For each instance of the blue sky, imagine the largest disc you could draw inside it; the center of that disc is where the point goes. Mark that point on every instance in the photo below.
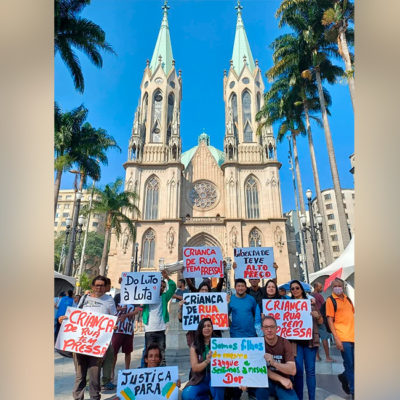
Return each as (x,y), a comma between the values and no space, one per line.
(202,35)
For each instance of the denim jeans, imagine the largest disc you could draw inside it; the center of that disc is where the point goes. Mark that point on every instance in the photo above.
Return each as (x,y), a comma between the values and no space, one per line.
(348,362)
(274,389)
(305,355)
(202,390)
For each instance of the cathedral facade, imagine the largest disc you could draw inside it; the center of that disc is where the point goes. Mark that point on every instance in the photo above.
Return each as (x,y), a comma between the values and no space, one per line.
(204,196)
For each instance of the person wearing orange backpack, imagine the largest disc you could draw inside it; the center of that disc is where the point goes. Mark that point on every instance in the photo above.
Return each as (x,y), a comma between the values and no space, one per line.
(340,316)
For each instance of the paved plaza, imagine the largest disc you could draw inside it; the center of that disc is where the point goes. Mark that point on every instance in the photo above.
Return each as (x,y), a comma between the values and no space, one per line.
(328,386)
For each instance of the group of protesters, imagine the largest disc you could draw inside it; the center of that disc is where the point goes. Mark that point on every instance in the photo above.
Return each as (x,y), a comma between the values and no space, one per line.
(286,359)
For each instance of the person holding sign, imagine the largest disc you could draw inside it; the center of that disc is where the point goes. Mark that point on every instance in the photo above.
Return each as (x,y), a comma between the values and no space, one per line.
(153,358)
(245,312)
(340,315)
(156,316)
(199,386)
(96,301)
(281,365)
(204,287)
(306,350)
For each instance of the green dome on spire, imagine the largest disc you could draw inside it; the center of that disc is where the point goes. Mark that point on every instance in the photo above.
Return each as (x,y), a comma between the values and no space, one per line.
(219,156)
(204,138)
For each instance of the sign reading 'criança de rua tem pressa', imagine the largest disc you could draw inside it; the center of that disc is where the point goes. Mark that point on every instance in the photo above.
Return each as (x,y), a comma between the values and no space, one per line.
(85,332)
(238,362)
(254,263)
(202,262)
(198,306)
(293,317)
(140,287)
(148,383)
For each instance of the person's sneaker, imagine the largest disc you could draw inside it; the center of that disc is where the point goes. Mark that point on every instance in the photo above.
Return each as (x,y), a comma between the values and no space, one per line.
(108,386)
(345,385)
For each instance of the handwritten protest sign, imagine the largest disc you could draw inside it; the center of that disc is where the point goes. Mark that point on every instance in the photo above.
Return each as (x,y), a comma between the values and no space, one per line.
(204,305)
(140,287)
(125,327)
(86,332)
(202,262)
(292,316)
(238,362)
(254,263)
(148,383)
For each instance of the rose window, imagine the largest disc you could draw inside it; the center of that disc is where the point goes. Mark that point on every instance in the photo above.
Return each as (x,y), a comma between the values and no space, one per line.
(203,194)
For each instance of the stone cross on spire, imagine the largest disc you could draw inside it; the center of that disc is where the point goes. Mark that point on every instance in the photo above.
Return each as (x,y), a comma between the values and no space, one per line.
(165,7)
(239,7)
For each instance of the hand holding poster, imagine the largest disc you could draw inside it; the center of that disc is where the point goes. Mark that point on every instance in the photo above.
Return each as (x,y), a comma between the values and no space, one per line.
(148,383)
(254,263)
(85,332)
(204,305)
(202,262)
(238,362)
(140,287)
(292,316)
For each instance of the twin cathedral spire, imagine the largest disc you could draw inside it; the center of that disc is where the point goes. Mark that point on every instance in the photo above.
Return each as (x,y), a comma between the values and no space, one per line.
(156,130)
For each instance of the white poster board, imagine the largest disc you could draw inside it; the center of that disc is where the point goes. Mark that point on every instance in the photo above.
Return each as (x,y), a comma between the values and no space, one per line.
(202,262)
(85,332)
(205,305)
(140,287)
(148,384)
(254,263)
(238,362)
(293,317)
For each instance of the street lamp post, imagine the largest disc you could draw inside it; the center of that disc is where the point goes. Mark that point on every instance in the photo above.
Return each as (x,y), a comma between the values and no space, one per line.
(134,260)
(228,273)
(76,228)
(313,229)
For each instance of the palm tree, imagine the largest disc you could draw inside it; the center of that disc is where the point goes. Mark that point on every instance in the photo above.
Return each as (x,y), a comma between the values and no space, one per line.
(78,143)
(336,19)
(70,30)
(90,148)
(279,106)
(305,18)
(66,126)
(290,58)
(115,204)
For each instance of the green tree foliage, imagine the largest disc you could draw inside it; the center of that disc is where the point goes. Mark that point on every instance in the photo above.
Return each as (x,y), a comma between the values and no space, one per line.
(93,250)
(77,143)
(116,205)
(72,31)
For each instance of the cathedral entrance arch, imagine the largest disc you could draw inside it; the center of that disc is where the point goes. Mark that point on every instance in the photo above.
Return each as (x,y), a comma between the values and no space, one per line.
(203,239)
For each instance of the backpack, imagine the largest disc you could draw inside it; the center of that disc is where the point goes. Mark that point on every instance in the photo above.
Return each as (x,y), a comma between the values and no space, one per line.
(323,311)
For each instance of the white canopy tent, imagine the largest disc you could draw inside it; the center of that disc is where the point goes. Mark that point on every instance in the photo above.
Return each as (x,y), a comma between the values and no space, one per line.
(345,261)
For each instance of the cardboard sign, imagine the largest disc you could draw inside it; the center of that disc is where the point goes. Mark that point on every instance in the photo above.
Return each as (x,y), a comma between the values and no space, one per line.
(140,287)
(86,332)
(205,305)
(125,327)
(238,362)
(202,262)
(293,317)
(148,383)
(254,263)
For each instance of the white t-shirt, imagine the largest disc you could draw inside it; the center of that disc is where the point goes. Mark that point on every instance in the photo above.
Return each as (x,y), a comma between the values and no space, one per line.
(156,322)
(103,305)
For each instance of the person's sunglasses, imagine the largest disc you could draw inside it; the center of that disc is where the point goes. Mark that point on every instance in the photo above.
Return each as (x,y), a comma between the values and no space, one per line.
(295,288)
